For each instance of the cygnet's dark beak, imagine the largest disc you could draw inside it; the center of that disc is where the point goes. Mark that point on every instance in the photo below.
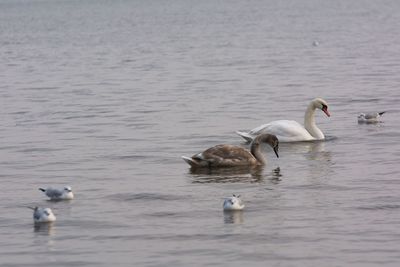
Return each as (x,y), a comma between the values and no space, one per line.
(276,151)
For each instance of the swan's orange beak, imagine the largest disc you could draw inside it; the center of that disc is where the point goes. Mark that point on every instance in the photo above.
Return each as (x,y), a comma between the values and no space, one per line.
(325,109)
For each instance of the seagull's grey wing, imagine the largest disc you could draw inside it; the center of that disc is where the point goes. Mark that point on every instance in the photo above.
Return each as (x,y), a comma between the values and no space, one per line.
(53,193)
(371,116)
(36,214)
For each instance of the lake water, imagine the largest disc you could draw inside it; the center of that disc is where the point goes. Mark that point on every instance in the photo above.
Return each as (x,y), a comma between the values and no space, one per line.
(106,96)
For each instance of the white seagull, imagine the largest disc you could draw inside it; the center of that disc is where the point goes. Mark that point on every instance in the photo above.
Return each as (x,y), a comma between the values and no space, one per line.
(233,203)
(370,117)
(43,215)
(58,194)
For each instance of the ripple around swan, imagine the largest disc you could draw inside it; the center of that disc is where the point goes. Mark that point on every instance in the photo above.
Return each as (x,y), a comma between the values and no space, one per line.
(233,175)
(330,138)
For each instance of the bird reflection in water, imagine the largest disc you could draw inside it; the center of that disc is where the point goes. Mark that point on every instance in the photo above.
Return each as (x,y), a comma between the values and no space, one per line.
(234,175)
(233,217)
(44,228)
(317,152)
(227,175)
(276,175)
(318,161)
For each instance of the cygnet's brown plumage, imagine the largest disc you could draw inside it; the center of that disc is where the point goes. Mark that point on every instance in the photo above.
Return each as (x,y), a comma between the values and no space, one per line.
(233,156)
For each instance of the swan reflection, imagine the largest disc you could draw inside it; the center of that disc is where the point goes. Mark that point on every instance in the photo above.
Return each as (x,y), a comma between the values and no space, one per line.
(276,175)
(303,147)
(234,175)
(318,161)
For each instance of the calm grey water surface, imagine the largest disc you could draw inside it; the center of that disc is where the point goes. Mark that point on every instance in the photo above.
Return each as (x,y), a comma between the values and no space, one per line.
(106,96)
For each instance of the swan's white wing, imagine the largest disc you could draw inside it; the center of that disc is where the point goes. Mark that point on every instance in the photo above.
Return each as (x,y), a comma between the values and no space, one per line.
(285,130)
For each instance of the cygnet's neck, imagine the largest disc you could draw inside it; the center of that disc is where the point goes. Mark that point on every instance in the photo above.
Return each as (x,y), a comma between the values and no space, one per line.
(255,149)
(309,122)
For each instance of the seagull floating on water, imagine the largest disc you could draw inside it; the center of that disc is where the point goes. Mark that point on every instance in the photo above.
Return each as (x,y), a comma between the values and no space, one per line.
(233,203)
(58,194)
(43,215)
(370,117)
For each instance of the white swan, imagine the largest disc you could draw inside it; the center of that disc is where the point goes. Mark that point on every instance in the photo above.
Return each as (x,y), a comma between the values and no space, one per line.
(222,156)
(292,131)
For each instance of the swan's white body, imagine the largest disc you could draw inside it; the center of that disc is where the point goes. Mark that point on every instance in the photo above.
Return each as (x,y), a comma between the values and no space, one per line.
(292,131)
(233,203)
(285,130)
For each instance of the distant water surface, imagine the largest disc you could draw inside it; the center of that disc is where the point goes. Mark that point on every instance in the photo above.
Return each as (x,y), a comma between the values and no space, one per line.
(106,96)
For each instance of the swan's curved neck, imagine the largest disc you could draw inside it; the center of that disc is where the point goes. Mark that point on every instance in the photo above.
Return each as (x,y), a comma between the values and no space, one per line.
(309,122)
(255,149)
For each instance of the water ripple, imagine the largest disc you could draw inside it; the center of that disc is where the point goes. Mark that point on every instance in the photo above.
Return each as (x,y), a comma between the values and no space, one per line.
(380,207)
(145,197)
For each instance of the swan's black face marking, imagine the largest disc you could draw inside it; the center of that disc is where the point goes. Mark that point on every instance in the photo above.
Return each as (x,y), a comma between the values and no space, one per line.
(325,109)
